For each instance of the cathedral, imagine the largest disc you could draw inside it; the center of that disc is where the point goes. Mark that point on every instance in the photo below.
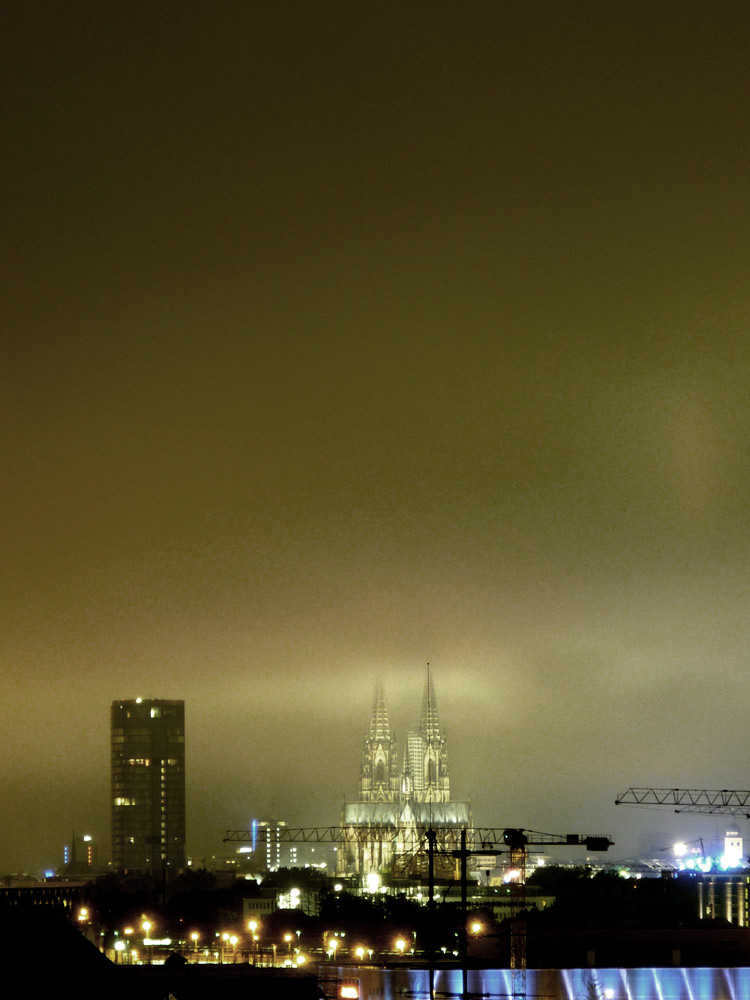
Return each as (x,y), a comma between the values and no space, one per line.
(384,830)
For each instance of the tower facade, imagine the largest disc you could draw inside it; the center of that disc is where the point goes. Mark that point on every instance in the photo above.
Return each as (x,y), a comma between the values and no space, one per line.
(425,759)
(148,785)
(378,776)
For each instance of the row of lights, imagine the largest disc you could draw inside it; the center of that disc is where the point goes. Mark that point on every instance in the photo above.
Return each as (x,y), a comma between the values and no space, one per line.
(230,939)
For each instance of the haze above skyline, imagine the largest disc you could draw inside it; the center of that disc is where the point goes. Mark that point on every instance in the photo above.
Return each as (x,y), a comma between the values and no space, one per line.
(343,337)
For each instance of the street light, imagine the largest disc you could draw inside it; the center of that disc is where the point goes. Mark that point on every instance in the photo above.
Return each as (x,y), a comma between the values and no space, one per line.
(146,926)
(252,926)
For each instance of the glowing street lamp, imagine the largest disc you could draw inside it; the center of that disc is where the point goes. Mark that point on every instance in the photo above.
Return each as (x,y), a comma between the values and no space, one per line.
(146,926)
(252,926)
(400,945)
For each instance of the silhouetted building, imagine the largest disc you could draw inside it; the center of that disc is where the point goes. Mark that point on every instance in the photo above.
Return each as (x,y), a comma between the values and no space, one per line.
(148,785)
(385,829)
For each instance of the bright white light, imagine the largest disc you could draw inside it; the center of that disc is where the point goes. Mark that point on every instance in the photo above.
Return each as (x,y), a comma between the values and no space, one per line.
(733,850)
(373,882)
(679,849)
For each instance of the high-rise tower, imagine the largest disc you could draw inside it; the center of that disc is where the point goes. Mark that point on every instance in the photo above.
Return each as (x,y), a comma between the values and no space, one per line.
(148,785)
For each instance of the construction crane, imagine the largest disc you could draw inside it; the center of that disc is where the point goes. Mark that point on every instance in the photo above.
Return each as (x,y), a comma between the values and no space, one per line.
(479,840)
(727,801)
(518,843)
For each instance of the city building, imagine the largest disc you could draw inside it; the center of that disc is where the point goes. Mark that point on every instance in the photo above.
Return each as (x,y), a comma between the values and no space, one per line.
(385,830)
(269,848)
(148,785)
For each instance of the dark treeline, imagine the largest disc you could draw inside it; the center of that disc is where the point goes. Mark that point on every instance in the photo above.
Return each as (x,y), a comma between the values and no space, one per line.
(198,901)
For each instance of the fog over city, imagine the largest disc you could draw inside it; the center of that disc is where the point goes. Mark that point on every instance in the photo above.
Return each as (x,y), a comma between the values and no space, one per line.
(339,338)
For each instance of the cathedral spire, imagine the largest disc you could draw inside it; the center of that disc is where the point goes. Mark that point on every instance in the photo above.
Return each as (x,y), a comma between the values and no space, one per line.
(380,726)
(430,723)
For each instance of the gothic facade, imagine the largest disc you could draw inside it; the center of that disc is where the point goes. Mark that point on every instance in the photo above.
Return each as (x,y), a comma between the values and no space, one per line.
(385,830)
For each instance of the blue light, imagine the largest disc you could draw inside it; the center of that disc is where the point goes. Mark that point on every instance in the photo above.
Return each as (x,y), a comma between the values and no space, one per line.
(564,984)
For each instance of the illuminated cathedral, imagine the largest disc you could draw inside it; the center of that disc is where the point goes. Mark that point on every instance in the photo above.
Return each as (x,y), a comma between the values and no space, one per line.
(384,831)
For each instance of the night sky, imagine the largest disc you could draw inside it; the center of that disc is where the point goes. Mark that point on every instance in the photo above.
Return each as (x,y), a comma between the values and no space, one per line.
(340,337)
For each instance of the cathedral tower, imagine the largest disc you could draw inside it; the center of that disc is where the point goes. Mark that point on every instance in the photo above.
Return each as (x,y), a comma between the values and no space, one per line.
(378,779)
(426,764)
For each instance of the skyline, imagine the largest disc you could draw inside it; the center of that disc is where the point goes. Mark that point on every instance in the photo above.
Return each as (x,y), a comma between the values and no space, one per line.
(706,827)
(341,338)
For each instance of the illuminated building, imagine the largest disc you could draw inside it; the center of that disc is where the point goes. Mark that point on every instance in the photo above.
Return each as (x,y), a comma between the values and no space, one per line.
(148,785)
(384,830)
(80,856)
(270,834)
